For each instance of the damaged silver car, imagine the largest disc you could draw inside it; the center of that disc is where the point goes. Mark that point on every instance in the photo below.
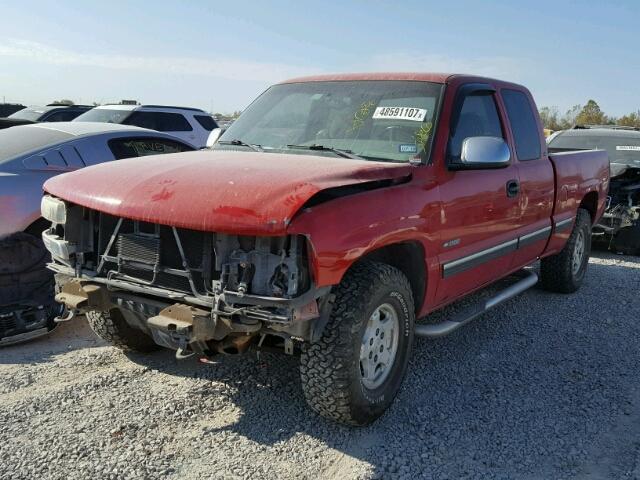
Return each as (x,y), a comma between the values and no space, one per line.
(619,228)
(30,155)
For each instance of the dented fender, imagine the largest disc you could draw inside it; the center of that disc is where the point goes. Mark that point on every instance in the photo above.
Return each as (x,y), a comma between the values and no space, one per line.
(343,230)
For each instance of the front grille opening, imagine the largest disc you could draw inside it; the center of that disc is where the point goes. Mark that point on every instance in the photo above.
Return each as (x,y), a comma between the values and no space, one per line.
(190,261)
(141,251)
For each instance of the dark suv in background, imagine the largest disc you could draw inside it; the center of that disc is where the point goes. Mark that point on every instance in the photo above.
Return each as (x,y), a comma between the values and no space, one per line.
(50,113)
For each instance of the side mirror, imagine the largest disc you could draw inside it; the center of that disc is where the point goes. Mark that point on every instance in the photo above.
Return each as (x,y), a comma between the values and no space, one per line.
(483,152)
(214,136)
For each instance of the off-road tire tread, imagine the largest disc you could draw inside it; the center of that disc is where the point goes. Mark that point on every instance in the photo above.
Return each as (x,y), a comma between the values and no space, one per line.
(555,271)
(324,365)
(119,333)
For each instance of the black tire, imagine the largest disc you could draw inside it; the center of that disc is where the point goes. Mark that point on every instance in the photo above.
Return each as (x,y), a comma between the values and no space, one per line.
(112,327)
(627,240)
(332,379)
(557,273)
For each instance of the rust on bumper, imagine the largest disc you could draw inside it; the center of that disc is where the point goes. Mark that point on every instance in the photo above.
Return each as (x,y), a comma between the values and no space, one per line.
(82,295)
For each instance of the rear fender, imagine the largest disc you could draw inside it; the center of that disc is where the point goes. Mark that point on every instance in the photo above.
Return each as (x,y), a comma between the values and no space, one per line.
(582,179)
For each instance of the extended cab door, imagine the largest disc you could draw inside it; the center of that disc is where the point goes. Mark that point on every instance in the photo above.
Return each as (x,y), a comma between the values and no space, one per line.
(479,205)
(536,191)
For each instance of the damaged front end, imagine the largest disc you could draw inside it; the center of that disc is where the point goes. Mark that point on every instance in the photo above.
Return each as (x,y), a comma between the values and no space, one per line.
(192,291)
(619,227)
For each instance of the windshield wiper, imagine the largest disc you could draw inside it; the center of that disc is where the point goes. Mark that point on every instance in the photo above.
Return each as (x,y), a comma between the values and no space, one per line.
(253,146)
(337,151)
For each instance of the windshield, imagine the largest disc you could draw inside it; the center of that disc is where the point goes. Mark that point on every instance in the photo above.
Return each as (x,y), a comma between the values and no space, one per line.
(103,115)
(32,113)
(377,120)
(620,148)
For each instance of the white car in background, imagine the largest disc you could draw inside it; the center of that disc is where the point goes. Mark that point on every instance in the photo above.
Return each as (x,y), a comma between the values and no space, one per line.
(190,125)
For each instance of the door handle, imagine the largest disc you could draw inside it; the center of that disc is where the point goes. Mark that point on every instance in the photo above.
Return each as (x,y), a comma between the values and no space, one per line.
(513,188)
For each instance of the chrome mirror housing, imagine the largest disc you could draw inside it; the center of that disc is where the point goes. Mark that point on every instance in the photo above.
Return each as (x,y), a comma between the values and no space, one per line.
(484,152)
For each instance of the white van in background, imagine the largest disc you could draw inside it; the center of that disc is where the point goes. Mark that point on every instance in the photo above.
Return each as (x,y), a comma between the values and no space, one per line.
(190,125)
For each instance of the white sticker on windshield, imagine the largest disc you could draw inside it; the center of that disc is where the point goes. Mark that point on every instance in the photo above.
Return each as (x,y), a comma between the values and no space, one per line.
(400,113)
(628,148)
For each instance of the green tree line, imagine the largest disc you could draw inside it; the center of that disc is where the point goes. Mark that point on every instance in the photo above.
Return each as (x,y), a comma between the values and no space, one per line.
(589,114)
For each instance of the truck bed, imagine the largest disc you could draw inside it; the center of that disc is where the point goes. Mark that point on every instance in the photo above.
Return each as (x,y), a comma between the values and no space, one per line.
(580,176)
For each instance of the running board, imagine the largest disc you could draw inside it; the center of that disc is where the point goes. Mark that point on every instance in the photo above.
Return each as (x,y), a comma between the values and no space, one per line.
(445,328)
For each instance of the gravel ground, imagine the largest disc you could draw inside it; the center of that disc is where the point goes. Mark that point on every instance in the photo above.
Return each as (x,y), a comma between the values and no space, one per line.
(543,387)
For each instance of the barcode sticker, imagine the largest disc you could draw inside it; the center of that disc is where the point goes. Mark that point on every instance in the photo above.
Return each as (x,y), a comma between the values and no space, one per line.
(400,113)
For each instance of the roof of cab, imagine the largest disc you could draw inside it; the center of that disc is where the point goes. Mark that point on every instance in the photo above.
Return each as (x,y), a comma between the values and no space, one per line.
(433,77)
(415,76)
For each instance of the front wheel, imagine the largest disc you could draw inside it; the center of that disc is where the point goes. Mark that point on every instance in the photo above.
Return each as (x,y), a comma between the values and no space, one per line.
(565,271)
(353,373)
(112,327)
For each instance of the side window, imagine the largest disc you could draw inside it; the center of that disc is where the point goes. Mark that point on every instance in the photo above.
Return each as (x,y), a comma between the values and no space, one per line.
(478,118)
(62,116)
(142,119)
(523,124)
(173,122)
(141,147)
(160,121)
(207,122)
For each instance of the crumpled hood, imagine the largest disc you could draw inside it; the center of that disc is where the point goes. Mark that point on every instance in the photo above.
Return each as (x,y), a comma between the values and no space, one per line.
(233,192)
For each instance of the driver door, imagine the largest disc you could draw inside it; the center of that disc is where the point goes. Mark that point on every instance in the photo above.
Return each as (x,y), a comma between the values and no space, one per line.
(479,207)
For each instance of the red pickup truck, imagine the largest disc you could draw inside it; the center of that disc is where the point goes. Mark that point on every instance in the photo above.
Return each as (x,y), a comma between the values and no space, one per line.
(334,212)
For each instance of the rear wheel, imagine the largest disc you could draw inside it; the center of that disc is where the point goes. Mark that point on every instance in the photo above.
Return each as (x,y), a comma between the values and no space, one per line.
(353,373)
(565,271)
(112,327)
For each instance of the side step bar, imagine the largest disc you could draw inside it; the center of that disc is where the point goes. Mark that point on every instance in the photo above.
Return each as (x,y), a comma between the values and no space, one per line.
(445,328)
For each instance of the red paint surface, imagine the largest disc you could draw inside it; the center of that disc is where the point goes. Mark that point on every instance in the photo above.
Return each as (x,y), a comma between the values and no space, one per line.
(261,194)
(439,205)
(235,192)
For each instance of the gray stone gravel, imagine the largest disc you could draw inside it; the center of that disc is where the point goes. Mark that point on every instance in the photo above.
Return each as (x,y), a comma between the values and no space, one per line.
(544,387)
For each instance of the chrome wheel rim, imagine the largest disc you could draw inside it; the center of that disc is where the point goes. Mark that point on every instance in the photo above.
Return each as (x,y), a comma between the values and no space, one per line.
(379,346)
(578,253)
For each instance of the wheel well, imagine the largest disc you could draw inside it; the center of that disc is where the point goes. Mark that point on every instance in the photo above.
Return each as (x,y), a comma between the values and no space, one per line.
(590,204)
(37,227)
(409,258)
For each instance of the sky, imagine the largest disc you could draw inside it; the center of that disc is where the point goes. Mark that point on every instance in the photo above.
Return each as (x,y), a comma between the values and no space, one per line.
(220,55)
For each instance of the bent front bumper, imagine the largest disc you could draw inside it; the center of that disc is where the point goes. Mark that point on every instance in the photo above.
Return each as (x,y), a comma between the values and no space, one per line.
(175,319)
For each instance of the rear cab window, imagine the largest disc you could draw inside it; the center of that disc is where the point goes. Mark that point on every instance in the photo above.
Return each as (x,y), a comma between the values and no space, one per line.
(141,147)
(523,124)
